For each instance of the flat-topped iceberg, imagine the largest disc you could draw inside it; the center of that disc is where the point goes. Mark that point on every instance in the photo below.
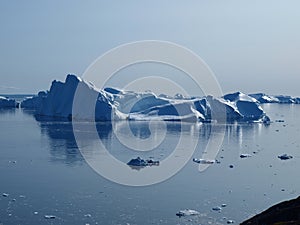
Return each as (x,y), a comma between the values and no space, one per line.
(7,103)
(114,104)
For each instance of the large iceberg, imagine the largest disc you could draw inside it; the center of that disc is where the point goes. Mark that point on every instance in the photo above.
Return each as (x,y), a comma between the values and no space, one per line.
(114,104)
(7,103)
(58,101)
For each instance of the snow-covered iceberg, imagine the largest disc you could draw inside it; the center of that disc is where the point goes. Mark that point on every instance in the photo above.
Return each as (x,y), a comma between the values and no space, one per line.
(112,104)
(7,103)
(281,99)
(58,101)
(247,107)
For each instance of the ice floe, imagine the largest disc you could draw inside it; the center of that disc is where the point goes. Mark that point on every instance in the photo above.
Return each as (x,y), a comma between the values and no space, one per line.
(187,212)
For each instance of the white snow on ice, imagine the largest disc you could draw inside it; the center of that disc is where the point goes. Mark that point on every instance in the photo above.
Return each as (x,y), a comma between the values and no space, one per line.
(114,104)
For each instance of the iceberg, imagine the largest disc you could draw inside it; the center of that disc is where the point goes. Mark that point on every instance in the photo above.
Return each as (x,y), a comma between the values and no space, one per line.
(285,99)
(247,106)
(263,98)
(58,101)
(281,99)
(114,104)
(8,103)
(33,102)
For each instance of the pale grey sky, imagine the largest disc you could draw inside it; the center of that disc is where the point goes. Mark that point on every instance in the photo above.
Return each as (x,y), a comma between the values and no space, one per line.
(250,45)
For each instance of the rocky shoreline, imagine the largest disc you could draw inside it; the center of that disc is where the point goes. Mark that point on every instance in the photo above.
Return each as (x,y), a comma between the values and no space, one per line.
(284,213)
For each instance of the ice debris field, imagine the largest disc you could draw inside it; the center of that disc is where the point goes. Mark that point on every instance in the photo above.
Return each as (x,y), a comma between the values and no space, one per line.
(113,104)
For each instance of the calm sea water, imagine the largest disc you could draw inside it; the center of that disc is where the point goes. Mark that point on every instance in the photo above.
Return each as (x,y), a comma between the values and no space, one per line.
(44,173)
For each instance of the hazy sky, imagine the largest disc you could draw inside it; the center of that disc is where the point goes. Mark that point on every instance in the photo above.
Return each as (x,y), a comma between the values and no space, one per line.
(250,45)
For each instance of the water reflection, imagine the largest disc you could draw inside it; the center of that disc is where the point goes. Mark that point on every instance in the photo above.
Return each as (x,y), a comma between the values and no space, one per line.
(7,111)
(237,132)
(63,147)
(62,144)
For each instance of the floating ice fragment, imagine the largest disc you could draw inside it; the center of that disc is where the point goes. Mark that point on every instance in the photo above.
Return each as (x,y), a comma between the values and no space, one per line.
(5,195)
(87,215)
(187,212)
(223,205)
(49,217)
(139,162)
(285,157)
(245,155)
(230,221)
(217,208)
(204,161)
(35,213)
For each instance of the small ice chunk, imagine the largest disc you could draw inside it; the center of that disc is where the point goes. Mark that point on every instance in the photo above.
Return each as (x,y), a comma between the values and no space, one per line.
(245,155)
(223,205)
(187,212)
(5,195)
(137,162)
(285,157)
(35,213)
(49,217)
(204,161)
(217,208)
(230,221)
(88,215)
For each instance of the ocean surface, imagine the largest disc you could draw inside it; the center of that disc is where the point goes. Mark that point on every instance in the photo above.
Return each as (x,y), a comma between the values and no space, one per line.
(42,172)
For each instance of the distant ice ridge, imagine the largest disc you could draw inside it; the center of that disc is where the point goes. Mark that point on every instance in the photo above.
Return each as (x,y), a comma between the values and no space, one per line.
(7,103)
(114,104)
(282,99)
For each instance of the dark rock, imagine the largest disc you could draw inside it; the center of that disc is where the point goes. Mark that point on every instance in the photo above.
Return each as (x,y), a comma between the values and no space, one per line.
(284,213)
